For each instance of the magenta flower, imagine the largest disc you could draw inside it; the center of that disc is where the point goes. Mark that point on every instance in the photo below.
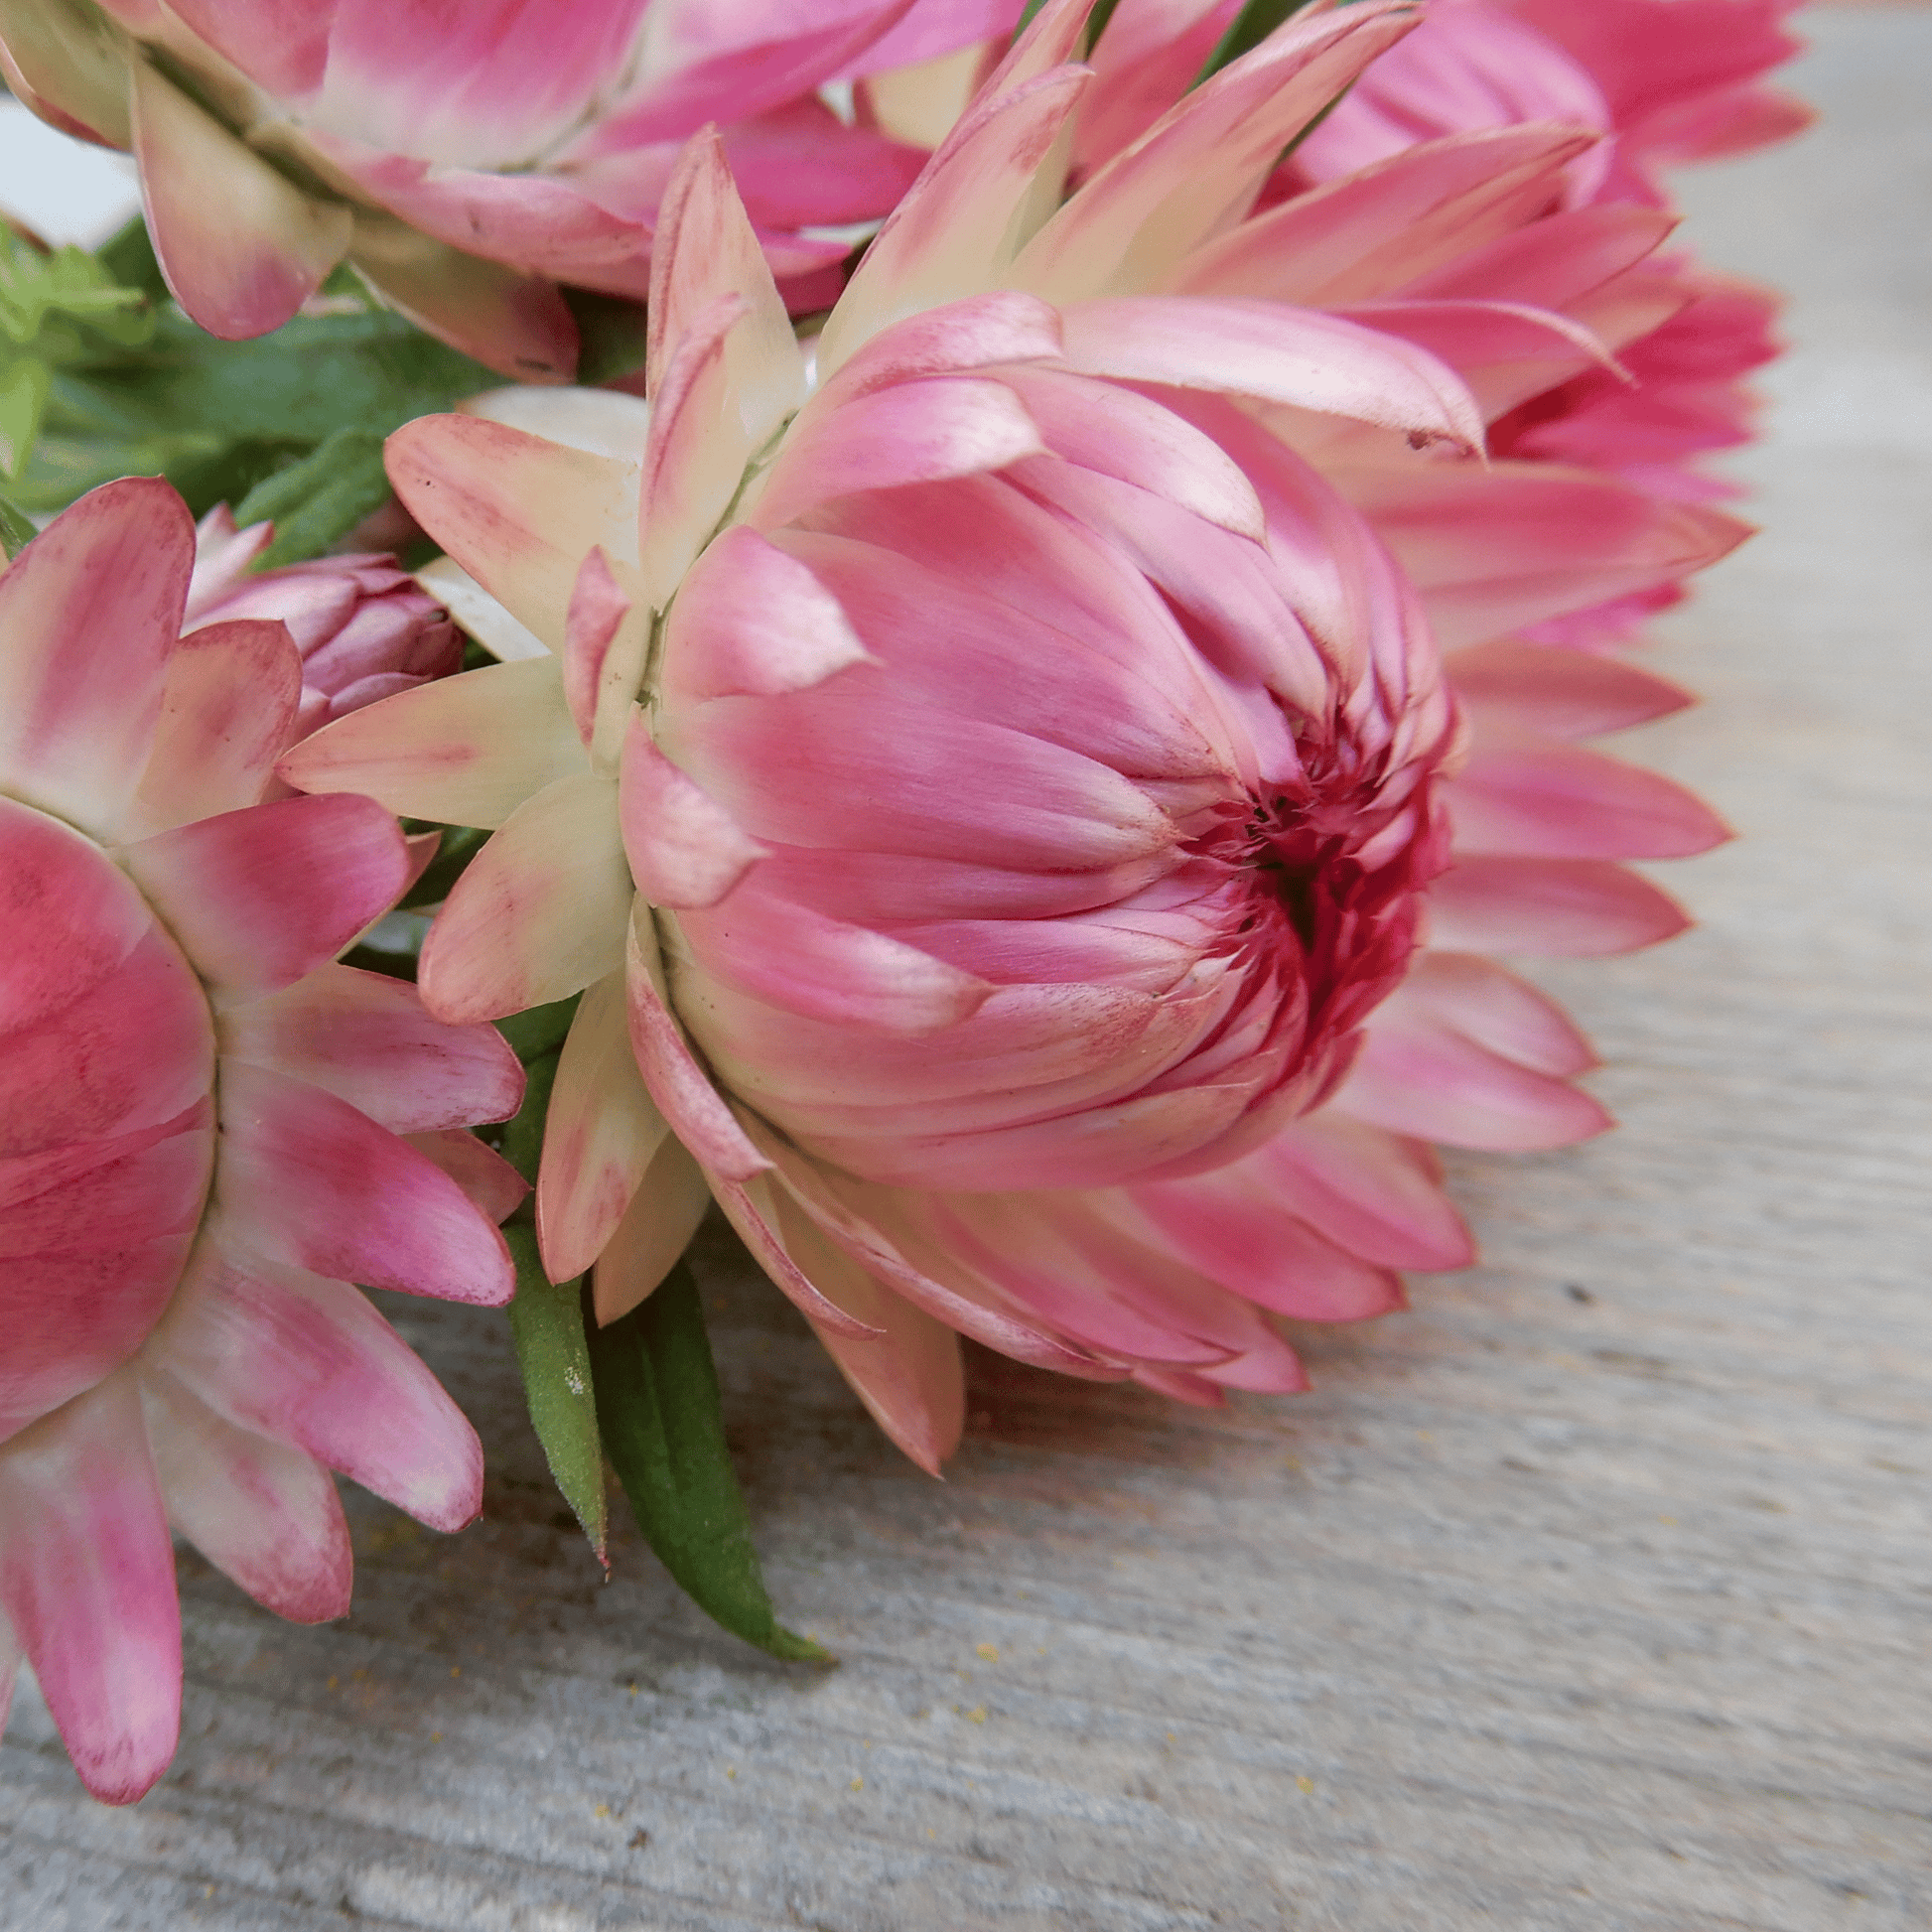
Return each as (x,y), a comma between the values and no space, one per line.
(209,1130)
(363,628)
(990,782)
(467,162)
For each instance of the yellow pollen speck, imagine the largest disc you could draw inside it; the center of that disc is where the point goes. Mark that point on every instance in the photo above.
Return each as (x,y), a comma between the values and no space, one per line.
(603,1811)
(990,1651)
(632,1689)
(930,1833)
(455,1670)
(436,1737)
(977,1715)
(858,1784)
(1304,1784)
(1671,1520)
(332,1682)
(731,1770)
(1171,1738)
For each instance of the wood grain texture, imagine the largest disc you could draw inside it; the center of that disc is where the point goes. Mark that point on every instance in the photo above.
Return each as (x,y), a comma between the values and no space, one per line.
(1590,1595)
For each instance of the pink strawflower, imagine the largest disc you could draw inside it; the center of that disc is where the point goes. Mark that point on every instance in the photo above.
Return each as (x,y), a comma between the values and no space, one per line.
(209,1130)
(467,160)
(991,780)
(363,627)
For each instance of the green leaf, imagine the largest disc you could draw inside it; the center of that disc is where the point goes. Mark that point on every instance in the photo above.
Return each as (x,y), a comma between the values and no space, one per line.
(16,532)
(663,1430)
(24,383)
(317,501)
(547,1324)
(541,1030)
(128,256)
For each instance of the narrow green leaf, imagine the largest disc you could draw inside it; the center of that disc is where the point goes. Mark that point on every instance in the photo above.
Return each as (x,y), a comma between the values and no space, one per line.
(24,383)
(16,532)
(316,503)
(128,256)
(664,1431)
(547,1324)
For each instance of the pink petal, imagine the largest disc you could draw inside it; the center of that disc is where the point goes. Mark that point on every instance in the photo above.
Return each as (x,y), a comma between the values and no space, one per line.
(259,898)
(796,959)
(242,247)
(87,1582)
(1492,550)
(227,709)
(309,1182)
(512,321)
(1467,1054)
(909,1374)
(516,512)
(1198,167)
(671,1201)
(540,911)
(752,1215)
(978,331)
(1556,907)
(685,849)
(1387,226)
(599,1136)
(463,751)
(915,432)
(1559,801)
(598,606)
(1564,693)
(494,1186)
(261,1512)
(309,1362)
(90,613)
(366,1038)
(704,248)
(951,236)
(1554,261)
(751,621)
(280,45)
(1276,354)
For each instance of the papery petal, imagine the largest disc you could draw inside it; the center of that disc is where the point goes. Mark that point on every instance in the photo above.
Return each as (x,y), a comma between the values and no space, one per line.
(685,849)
(599,1135)
(669,1201)
(310,1183)
(1202,162)
(87,1583)
(90,613)
(1558,907)
(494,1186)
(307,1361)
(242,247)
(515,510)
(1565,693)
(540,911)
(1559,801)
(598,608)
(259,898)
(366,1038)
(1278,354)
(909,1375)
(463,751)
(263,1513)
(227,708)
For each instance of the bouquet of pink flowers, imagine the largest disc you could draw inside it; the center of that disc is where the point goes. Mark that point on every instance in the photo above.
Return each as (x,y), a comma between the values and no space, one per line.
(990,734)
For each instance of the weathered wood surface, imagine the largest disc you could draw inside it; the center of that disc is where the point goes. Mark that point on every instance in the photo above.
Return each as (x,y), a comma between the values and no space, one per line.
(1592,1593)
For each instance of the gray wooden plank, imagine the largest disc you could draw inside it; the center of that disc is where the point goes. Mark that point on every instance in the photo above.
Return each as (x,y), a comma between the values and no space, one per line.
(1540,1613)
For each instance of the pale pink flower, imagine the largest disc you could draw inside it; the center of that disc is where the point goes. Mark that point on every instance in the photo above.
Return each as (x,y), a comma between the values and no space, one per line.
(467,160)
(208,1131)
(990,782)
(363,627)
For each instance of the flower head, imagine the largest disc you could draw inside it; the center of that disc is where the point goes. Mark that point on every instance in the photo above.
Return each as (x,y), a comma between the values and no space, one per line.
(363,626)
(989,783)
(466,162)
(203,1141)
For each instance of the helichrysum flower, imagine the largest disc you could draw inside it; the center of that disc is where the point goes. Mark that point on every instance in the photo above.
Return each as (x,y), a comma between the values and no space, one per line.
(363,628)
(208,1131)
(465,160)
(1032,771)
